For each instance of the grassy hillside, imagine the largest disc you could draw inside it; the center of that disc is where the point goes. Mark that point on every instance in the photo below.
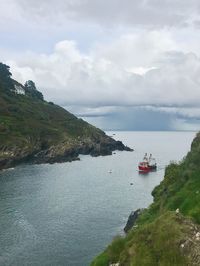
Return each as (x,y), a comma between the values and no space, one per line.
(32,129)
(164,236)
(23,118)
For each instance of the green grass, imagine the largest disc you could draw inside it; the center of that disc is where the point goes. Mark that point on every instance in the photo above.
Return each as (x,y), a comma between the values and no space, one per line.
(155,243)
(27,120)
(112,253)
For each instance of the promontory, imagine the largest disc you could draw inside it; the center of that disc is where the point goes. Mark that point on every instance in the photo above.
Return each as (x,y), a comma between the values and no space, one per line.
(36,131)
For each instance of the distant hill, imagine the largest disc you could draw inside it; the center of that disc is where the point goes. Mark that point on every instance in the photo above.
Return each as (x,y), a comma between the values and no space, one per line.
(33,130)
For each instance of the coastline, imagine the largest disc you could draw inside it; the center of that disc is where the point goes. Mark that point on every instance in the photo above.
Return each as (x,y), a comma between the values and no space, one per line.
(62,152)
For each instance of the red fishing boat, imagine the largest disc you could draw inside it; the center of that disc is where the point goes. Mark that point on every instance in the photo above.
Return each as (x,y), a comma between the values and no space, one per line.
(148,164)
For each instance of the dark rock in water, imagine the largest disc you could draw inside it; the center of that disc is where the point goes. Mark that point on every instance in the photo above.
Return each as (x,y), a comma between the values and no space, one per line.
(120,146)
(132,219)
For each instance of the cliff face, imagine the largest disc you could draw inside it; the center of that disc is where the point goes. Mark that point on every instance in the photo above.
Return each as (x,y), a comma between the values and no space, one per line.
(33,130)
(168,232)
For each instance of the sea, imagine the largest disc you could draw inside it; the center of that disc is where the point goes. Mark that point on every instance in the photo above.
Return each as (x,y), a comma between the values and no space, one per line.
(65,214)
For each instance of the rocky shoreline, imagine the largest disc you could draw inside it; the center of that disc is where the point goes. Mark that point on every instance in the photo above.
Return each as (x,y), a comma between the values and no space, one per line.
(62,152)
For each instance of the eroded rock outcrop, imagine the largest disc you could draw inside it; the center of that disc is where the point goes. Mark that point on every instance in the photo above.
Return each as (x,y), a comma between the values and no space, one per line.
(132,220)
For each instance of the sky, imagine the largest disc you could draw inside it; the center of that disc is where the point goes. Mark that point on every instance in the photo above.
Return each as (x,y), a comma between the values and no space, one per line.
(120,65)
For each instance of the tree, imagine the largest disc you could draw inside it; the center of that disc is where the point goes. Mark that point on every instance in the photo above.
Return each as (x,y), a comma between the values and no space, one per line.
(6,83)
(32,91)
(30,85)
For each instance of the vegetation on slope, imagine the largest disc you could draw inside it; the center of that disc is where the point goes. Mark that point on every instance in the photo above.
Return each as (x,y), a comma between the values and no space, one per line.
(164,235)
(23,118)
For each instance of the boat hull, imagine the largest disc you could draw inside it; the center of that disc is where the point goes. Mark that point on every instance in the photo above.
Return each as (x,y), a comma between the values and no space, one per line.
(147,168)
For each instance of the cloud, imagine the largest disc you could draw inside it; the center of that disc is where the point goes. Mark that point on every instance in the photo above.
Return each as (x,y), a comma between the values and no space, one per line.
(101,86)
(70,77)
(103,59)
(143,119)
(181,112)
(148,13)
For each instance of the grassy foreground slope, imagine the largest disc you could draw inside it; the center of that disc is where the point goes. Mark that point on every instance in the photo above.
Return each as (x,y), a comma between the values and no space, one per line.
(34,130)
(164,236)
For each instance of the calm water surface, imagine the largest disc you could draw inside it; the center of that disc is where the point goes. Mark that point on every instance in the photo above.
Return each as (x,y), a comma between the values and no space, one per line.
(65,214)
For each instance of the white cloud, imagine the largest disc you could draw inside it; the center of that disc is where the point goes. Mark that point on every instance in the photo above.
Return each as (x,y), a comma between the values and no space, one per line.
(140,70)
(139,49)
(68,76)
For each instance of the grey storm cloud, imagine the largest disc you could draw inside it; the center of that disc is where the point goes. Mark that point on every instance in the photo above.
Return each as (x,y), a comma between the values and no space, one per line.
(144,118)
(148,13)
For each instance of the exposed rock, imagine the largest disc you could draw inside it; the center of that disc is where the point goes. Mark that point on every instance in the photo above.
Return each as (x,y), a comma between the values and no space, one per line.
(190,244)
(39,153)
(132,219)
